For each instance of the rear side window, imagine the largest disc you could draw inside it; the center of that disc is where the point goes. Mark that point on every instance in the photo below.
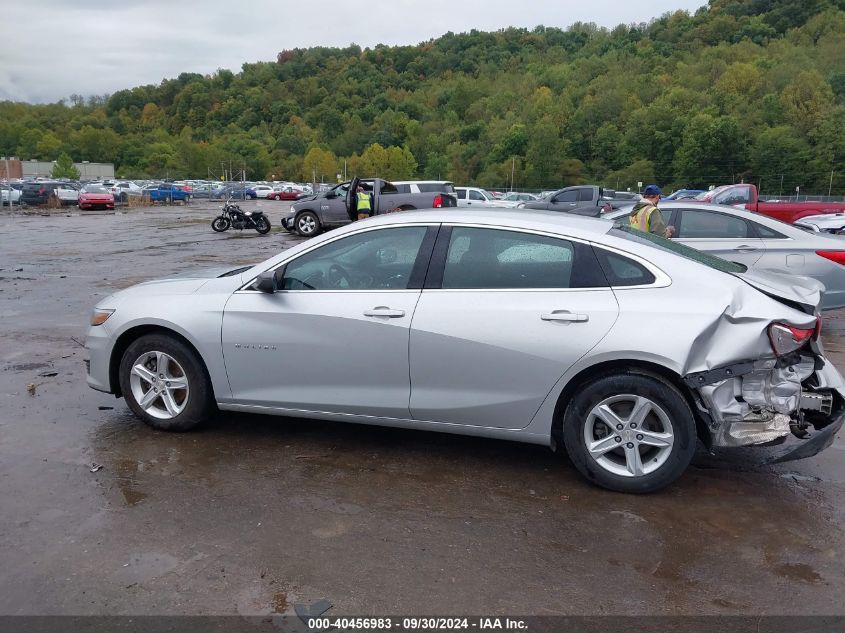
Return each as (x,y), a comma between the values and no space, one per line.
(585,195)
(766,233)
(629,233)
(623,271)
(498,259)
(461,193)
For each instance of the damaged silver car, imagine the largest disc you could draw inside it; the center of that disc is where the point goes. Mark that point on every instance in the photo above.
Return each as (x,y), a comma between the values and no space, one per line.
(620,348)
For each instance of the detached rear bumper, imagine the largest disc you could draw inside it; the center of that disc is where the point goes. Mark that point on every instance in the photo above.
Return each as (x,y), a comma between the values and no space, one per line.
(813,445)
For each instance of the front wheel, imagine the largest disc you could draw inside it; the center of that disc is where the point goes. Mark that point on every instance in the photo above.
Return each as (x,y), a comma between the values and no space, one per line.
(262,225)
(220,224)
(629,432)
(165,383)
(307,224)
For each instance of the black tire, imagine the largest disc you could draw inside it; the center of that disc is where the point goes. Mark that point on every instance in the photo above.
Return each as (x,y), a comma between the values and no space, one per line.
(670,402)
(220,224)
(199,403)
(262,225)
(307,224)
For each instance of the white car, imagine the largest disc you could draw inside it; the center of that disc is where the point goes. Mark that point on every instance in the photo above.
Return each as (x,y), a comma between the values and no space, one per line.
(259,191)
(15,194)
(67,193)
(477,197)
(824,223)
(122,189)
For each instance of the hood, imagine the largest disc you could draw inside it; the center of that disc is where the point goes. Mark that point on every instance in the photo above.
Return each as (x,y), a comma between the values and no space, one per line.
(786,286)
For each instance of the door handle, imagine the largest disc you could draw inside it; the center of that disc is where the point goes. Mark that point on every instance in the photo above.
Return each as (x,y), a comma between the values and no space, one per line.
(745,248)
(384,311)
(565,315)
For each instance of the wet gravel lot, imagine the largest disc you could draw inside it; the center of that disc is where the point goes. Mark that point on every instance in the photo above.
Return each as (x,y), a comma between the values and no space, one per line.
(254,514)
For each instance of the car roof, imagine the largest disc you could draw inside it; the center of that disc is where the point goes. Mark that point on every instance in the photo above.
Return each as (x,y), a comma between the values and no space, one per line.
(533,219)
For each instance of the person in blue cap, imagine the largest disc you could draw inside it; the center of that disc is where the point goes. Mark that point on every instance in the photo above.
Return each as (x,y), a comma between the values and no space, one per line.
(646,217)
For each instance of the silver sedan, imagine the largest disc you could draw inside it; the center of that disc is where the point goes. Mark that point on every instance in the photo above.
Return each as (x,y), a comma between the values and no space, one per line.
(621,349)
(759,242)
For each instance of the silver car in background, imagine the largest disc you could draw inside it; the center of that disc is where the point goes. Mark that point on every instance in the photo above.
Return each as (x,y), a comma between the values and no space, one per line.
(622,348)
(758,242)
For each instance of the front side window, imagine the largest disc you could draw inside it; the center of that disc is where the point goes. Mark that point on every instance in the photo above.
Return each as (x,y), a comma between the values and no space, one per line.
(712,225)
(567,196)
(376,260)
(476,195)
(492,258)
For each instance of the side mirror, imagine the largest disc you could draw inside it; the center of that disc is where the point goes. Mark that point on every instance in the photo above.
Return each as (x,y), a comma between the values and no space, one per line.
(267,282)
(331,194)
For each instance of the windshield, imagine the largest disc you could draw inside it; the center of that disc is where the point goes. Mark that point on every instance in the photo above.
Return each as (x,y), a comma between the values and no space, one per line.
(706,194)
(711,261)
(95,190)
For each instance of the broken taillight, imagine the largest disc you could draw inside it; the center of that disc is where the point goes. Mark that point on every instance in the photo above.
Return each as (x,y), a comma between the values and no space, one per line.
(438,201)
(834,256)
(786,339)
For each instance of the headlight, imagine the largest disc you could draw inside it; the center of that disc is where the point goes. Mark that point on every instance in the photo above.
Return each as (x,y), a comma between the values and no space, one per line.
(100,316)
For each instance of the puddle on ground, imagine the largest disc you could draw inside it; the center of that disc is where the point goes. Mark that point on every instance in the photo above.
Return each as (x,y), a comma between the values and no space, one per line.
(799,571)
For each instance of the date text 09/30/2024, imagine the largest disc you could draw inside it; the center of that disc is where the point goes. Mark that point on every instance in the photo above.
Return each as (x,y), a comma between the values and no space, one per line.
(417,624)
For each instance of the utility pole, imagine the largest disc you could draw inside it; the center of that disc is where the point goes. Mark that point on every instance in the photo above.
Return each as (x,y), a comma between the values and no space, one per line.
(513,169)
(9,183)
(780,192)
(829,187)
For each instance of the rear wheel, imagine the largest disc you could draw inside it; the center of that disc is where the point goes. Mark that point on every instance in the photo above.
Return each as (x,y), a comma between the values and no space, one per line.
(307,224)
(165,384)
(262,225)
(220,223)
(629,432)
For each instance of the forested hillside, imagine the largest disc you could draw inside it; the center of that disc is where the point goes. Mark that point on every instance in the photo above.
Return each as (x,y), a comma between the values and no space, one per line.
(743,89)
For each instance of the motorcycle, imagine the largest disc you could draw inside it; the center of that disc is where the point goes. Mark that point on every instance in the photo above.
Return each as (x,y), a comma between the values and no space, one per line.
(232,216)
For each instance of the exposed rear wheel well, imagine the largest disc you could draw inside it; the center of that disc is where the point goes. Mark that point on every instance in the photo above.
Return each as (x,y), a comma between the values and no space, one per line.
(624,366)
(126,339)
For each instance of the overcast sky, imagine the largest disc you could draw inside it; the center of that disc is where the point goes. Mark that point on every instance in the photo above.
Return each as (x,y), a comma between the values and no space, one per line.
(50,49)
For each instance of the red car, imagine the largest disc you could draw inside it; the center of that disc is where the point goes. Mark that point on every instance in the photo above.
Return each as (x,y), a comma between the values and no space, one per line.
(95,197)
(287,193)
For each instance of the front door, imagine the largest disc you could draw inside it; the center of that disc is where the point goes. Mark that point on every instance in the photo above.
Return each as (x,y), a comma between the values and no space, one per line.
(335,338)
(514,311)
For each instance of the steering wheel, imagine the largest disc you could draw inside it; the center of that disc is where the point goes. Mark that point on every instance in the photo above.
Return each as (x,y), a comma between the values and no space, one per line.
(337,275)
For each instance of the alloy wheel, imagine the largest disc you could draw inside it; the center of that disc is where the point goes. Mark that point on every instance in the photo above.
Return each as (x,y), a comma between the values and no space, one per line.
(159,385)
(628,435)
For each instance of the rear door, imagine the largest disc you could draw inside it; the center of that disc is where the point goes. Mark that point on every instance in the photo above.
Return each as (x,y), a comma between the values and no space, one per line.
(503,315)
(727,236)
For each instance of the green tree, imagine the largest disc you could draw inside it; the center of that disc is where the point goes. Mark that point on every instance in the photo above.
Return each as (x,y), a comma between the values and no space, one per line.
(64,168)
(320,163)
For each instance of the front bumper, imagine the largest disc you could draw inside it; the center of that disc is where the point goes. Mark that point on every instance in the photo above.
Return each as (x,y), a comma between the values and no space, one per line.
(99,345)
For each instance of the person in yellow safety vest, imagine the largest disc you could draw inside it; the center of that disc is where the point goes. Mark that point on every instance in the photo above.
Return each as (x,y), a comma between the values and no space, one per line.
(364,205)
(646,217)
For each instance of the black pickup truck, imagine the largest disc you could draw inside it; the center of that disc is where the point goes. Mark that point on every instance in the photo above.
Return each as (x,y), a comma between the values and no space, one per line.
(587,200)
(336,207)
